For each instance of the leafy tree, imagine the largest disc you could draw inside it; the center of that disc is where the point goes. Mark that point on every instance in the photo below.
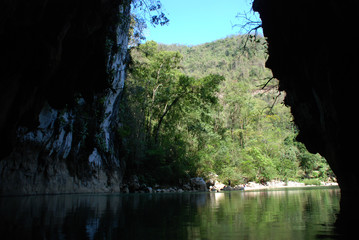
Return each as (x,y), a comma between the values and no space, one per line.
(211,108)
(172,106)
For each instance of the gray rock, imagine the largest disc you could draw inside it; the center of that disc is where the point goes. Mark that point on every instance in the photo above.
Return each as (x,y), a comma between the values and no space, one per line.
(187,187)
(198,184)
(125,189)
(227,188)
(134,184)
(211,179)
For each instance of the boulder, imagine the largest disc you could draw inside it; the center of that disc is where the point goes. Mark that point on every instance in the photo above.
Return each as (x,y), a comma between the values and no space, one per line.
(198,184)
(148,190)
(124,189)
(238,187)
(219,185)
(211,179)
(134,184)
(187,187)
(227,188)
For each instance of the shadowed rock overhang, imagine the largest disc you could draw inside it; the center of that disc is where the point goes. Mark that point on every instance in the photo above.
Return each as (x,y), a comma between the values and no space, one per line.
(314,54)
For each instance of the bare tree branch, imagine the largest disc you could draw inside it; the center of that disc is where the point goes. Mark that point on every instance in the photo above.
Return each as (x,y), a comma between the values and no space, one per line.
(268,81)
(275,100)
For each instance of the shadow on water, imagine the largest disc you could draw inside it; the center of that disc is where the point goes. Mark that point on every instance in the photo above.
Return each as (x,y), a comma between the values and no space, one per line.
(282,214)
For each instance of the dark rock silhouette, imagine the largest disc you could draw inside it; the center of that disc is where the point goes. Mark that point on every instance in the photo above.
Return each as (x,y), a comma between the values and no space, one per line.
(62,72)
(312,53)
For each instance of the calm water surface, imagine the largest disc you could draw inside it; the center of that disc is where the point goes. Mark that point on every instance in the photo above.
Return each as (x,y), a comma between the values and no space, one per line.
(278,214)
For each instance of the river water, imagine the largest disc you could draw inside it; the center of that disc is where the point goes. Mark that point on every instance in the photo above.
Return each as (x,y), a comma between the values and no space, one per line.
(277,214)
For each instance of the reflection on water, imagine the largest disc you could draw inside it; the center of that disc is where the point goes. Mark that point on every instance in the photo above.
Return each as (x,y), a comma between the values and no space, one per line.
(283,214)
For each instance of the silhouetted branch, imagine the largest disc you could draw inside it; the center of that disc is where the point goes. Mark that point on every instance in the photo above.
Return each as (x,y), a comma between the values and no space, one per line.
(275,100)
(251,23)
(152,11)
(251,26)
(264,85)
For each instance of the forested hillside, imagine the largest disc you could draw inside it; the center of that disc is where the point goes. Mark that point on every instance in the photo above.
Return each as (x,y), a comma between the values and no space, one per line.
(210,109)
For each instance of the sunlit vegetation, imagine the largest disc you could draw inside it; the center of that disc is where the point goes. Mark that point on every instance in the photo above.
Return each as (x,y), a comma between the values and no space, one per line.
(210,109)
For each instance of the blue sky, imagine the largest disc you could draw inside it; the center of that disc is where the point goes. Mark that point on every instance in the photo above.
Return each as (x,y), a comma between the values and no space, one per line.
(194,22)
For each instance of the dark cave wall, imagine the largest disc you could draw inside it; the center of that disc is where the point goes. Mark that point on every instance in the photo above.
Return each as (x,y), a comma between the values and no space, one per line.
(61,76)
(313,53)
(50,51)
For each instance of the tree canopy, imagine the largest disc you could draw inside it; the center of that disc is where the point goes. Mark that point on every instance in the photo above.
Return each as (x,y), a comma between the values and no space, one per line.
(210,109)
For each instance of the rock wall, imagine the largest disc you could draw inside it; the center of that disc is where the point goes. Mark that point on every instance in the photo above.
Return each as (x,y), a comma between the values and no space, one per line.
(62,73)
(313,54)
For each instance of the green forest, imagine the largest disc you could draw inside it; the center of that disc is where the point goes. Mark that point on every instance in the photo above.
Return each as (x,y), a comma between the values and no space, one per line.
(210,109)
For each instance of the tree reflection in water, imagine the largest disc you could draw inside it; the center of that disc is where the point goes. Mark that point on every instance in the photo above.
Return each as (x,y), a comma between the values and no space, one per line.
(283,214)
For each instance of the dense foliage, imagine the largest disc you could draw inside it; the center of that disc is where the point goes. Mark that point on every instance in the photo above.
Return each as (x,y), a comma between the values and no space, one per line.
(210,109)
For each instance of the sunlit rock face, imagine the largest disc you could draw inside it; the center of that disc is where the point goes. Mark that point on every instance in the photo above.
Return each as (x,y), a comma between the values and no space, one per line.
(62,74)
(313,54)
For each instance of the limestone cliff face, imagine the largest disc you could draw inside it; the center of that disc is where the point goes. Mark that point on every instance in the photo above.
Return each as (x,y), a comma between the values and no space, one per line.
(312,53)
(62,77)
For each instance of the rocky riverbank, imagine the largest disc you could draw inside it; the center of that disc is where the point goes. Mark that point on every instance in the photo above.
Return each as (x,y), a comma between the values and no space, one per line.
(198,184)
(133,185)
(218,186)
(281,184)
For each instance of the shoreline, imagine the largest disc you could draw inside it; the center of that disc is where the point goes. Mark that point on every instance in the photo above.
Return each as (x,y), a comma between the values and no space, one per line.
(195,185)
(165,190)
(250,188)
(285,187)
(253,186)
